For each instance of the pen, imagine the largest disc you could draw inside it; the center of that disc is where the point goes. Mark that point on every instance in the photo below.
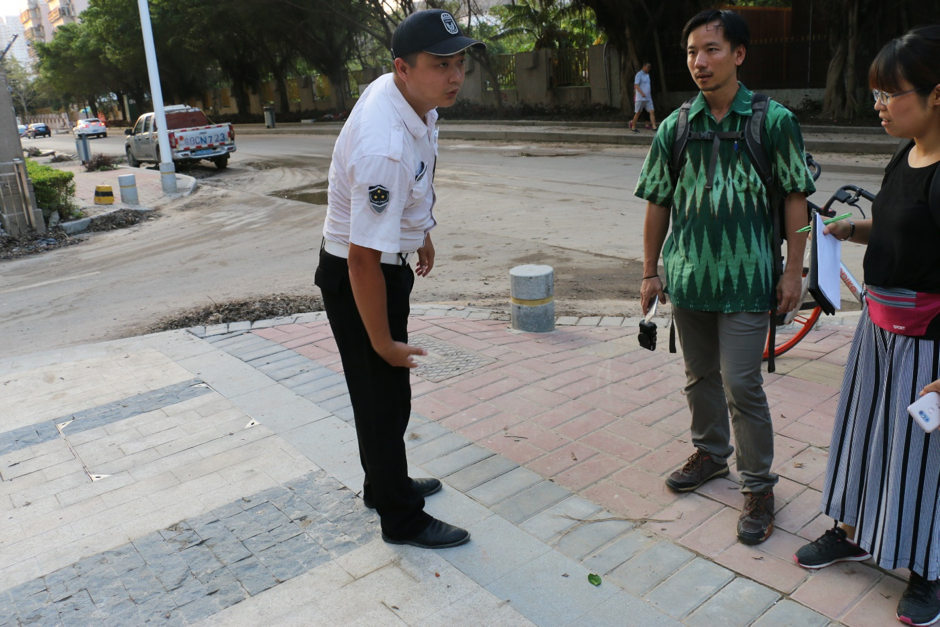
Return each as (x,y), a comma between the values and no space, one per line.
(829,221)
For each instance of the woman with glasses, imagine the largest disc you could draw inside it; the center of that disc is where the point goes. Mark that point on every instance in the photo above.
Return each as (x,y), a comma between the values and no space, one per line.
(883,475)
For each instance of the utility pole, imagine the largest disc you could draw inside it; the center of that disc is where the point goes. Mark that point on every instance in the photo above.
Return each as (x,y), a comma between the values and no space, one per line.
(167,170)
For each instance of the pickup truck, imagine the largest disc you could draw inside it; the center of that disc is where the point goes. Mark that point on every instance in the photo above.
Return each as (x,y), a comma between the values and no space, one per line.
(192,138)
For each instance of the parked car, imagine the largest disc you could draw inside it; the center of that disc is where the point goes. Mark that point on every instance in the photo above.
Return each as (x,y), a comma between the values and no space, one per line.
(38,129)
(192,138)
(92,127)
(21,128)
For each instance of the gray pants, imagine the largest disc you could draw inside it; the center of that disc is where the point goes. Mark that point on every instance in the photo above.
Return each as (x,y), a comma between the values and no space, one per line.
(723,353)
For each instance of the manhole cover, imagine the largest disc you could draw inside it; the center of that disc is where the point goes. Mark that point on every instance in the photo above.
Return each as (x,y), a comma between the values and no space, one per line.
(444,360)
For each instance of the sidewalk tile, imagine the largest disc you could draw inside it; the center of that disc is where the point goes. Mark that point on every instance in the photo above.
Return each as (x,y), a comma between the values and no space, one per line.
(736,605)
(504,486)
(620,500)
(470,416)
(457,460)
(564,515)
(477,608)
(691,586)
(685,514)
(480,472)
(588,472)
(782,575)
(616,610)
(621,448)
(666,458)
(786,613)
(656,411)
(805,467)
(725,491)
(497,547)
(531,432)
(562,414)
(562,459)
(646,484)
(799,512)
(878,607)
(585,424)
(639,433)
(436,448)
(500,423)
(531,501)
(648,569)
(518,451)
(852,580)
(551,590)
(715,535)
(586,538)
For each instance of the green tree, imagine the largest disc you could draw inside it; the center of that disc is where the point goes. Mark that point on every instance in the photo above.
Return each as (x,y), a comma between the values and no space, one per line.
(25,88)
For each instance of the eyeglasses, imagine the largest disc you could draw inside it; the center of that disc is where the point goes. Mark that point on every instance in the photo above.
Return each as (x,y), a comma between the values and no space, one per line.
(884,97)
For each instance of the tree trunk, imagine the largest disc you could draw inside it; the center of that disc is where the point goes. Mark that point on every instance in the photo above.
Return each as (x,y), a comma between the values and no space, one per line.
(338,83)
(851,78)
(242,99)
(834,97)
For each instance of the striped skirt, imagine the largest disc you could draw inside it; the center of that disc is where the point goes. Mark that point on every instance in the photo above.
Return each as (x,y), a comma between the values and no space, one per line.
(883,474)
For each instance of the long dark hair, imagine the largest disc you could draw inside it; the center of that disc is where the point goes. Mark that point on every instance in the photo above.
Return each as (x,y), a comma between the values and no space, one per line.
(914,57)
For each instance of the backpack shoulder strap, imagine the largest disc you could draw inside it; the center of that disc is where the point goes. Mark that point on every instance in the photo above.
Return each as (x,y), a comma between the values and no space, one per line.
(682,138)
(753,142)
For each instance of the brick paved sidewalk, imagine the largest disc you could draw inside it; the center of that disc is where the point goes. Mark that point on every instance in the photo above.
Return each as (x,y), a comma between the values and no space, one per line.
(182,480)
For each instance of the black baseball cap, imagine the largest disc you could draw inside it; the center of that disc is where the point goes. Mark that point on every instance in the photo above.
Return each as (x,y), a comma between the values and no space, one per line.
(434,31)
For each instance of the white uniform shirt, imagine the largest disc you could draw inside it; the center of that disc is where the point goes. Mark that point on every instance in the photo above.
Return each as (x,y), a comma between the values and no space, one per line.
(381,195)
(642,79)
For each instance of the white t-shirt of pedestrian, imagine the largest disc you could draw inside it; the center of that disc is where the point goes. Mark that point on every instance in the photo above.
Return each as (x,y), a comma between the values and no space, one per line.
(381,194)
(643,80)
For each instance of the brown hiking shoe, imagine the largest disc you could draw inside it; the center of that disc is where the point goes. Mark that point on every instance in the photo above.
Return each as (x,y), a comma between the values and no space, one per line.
(699,469)
(756,522)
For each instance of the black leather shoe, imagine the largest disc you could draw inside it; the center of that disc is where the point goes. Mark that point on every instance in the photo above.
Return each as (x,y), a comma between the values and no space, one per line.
(424,487)
(438,535)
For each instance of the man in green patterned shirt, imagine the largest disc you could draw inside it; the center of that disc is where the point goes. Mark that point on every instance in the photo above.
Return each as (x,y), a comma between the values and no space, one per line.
(718,261)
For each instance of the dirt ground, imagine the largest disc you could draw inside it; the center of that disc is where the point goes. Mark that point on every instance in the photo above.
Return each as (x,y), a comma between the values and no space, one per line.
(253,231)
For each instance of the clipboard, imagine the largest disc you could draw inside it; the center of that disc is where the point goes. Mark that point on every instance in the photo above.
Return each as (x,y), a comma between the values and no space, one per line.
(824,268)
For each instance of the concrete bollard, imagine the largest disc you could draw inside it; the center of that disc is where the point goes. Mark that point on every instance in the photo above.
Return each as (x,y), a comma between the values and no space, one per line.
(532,290)
(168,177)
(128,185)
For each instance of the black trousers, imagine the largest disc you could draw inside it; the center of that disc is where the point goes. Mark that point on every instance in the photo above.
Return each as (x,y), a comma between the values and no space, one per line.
(380,393)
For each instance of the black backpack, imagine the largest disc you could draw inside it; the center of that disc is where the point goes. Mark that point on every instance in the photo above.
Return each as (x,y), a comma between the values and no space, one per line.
(750,136)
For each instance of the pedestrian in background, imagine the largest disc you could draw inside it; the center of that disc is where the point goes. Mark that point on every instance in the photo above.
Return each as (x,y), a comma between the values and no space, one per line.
(718,261)
(643,96)
(883,474)
(379,216)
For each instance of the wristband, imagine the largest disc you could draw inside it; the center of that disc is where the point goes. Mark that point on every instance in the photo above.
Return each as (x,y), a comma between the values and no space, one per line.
(852,232)
(652,276)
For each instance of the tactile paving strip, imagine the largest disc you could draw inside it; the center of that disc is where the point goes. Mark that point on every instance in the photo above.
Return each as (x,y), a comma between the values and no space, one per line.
(445,360)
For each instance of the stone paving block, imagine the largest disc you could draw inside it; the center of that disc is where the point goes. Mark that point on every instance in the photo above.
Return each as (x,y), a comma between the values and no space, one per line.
(252,575)
(559,517)
(480,472)
(736,605)
(531,501)
(646,570)
(585,538)
(336,403)
(551,590)
(497,547)
(787,613)
(622,609)
(690,587)
(457,460)
(504,486)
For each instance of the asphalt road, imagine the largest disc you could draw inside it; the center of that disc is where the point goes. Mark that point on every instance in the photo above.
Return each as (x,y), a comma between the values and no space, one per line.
(246,233)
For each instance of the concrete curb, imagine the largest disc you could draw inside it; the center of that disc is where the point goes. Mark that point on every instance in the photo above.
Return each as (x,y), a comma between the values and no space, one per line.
(74,227)
(614,136)
(841,318)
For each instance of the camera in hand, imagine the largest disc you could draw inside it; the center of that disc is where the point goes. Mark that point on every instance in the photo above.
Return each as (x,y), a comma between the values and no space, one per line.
(647,335)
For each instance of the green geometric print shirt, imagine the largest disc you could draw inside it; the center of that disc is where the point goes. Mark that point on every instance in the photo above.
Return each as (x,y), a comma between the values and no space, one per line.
(718,253)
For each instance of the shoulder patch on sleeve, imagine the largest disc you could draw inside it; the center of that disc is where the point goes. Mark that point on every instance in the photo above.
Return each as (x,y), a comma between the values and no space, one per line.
(378,198)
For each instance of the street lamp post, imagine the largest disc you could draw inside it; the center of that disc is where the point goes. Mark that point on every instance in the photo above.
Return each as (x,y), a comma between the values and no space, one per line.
(167,171)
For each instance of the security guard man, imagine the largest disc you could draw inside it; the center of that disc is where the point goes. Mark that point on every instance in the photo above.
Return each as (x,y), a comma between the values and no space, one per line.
(380,213)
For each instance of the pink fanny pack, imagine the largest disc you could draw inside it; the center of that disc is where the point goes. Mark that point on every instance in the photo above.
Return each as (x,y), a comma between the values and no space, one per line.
(902,311)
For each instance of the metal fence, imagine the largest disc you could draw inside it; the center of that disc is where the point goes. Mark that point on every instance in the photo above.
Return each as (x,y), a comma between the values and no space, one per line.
(570,68)
(504,65)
